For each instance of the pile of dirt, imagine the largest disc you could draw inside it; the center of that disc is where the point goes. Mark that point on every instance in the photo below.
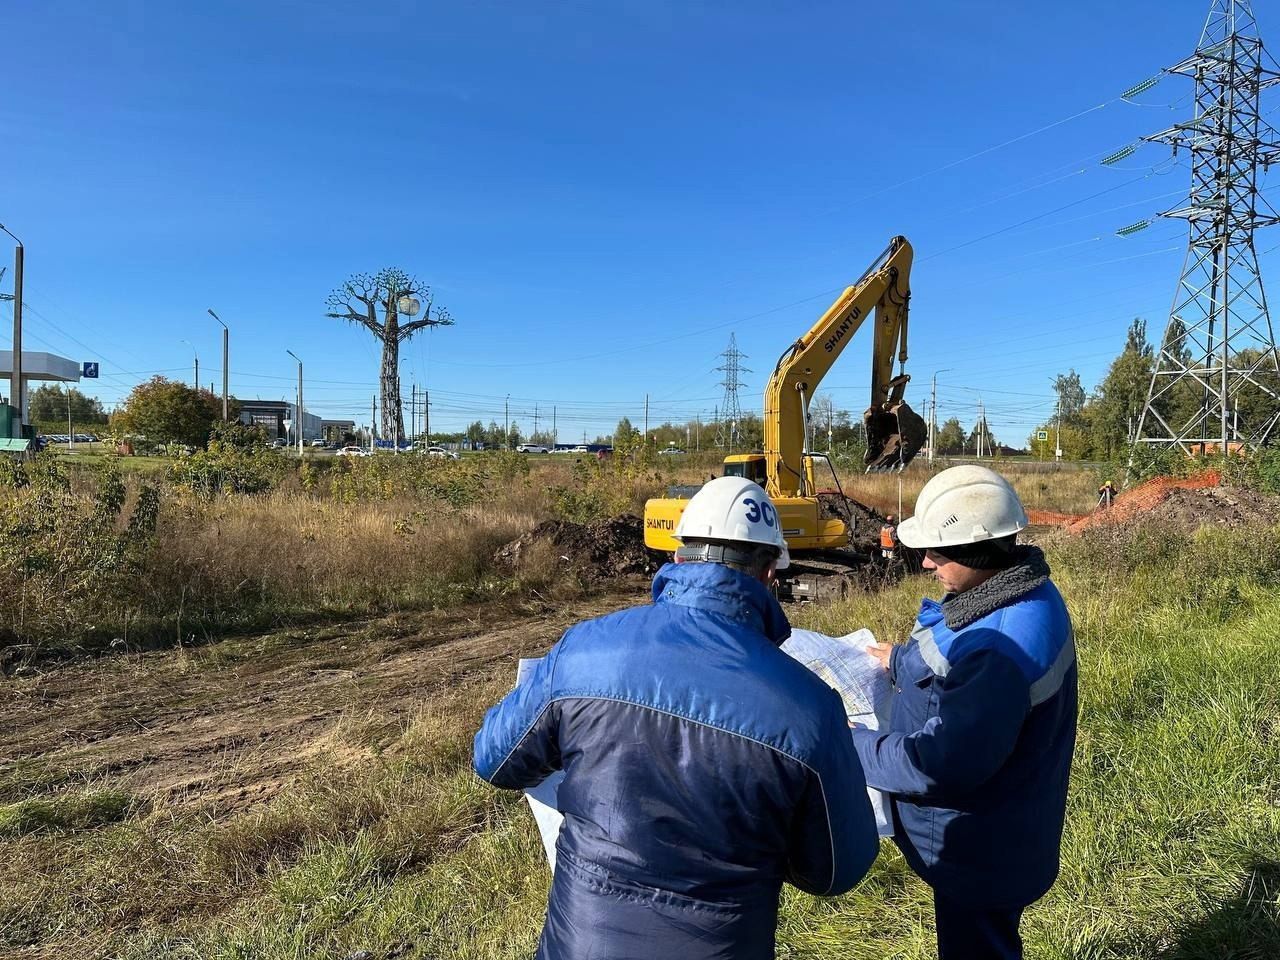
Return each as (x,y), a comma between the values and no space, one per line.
(1215,506)
(1145,498)
(863,522)
(601,550)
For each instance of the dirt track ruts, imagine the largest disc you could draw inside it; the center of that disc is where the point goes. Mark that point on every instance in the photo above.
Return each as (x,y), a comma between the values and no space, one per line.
(229,724)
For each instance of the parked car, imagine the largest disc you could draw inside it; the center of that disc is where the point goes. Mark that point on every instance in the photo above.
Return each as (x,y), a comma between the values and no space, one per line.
(317,442)
(279,443)
(351,450)
(670,450)
(443,452)
(531,448)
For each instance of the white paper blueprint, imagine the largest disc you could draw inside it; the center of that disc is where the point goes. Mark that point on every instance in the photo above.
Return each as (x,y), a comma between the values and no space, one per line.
(542,798)
(844,664)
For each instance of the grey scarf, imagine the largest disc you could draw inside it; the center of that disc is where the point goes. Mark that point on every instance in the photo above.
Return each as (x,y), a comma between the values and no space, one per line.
(1028,572)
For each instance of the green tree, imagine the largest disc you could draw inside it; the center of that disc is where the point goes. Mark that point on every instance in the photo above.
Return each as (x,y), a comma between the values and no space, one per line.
(168,411)
(1071,395)
(951,436)
(624,429)
(476,432)
(1117,402)
(1256,397)
(48,404)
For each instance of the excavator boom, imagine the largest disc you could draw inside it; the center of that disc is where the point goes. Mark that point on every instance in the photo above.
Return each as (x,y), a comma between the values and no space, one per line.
(895,433)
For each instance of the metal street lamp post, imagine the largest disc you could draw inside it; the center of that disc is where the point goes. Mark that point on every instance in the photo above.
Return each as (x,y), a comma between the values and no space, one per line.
(297,413)
(226,335)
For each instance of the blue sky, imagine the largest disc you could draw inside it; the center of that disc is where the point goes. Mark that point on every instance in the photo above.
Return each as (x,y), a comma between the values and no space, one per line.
(599,192)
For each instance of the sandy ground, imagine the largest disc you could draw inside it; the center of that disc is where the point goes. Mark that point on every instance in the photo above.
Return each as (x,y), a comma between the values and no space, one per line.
(229,724)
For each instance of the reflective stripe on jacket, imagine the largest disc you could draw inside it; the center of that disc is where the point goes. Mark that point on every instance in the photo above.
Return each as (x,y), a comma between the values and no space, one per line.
(979,748)
(703,767)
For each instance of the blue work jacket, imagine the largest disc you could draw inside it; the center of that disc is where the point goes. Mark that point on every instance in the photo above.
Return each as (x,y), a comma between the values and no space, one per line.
(978,751)
(703,768)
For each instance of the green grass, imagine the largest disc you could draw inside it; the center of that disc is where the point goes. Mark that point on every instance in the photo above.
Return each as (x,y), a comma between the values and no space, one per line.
(1172,847)
(72,811)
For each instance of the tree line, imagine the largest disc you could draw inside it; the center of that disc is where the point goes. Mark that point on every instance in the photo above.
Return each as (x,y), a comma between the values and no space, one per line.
(1100,425)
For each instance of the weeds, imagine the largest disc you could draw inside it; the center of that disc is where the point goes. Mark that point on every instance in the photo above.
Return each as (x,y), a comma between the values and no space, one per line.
(1172,841)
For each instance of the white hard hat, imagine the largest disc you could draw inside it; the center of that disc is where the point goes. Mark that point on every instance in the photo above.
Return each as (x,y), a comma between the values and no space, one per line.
(733,510)
(965,504)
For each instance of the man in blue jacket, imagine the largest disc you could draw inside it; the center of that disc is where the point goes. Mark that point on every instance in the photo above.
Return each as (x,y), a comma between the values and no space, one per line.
(983,721)
(703,766)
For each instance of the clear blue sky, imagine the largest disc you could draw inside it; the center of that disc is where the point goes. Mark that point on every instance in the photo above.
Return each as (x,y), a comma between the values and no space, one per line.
(600,192)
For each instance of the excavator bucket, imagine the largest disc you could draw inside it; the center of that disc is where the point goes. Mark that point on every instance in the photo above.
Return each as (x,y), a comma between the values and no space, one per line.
(894,437)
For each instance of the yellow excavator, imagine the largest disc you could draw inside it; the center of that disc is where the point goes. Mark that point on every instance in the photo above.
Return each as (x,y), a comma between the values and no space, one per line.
(818,524)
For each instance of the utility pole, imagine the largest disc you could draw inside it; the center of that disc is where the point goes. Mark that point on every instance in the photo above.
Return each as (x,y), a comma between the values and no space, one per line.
(226,336)
(71,434)
(555,435)
(646,419)
(18,400)
(298,414)
(426,414)
(373,424)
(506,422)
(535,421)
(1057,432)
(933,413)
(196,381)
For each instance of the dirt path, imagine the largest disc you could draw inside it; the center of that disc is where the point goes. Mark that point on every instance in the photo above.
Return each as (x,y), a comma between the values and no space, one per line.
(227,725)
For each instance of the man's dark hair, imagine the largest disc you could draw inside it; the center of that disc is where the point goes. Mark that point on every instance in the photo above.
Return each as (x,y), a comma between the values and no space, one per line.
(753,559)
(997,554)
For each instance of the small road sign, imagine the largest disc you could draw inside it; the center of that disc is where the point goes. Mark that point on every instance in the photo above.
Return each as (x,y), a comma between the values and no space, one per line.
(1042,435)
(90,371)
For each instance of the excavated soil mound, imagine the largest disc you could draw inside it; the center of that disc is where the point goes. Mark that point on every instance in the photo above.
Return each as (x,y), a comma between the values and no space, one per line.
(602,550)
(1144,498)
(1216,506)
(863,522)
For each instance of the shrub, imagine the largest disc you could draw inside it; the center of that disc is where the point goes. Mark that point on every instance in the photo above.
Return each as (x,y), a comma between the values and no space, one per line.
(605,488)
(63,555)
(228,467)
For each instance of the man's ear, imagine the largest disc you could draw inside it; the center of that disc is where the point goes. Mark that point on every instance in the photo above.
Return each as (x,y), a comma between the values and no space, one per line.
(770,574)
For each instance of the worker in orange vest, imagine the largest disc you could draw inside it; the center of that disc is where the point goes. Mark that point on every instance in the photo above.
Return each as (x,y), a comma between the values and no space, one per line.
(889,537)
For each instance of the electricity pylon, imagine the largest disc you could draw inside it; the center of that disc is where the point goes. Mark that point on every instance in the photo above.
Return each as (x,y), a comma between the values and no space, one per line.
(1218,347)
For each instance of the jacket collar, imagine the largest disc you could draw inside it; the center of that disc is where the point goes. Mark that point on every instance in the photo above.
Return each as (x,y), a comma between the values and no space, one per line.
(1009,585)
(715,588)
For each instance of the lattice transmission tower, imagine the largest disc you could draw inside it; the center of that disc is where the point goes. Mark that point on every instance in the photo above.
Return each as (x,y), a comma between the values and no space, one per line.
(1218,357)
(729,418)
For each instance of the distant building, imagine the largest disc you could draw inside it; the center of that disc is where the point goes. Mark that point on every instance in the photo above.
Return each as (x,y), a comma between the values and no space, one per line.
(335,430)
(271,415)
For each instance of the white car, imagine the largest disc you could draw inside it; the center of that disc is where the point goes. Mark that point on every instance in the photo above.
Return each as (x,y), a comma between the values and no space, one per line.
(442,452)
(353,451)
(531,448)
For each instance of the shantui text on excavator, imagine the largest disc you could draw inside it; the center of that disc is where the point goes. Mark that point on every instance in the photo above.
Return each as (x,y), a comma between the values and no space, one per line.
(818,523)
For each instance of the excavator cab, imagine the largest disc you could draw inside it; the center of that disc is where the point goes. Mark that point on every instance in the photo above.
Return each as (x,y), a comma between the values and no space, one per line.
(752,466)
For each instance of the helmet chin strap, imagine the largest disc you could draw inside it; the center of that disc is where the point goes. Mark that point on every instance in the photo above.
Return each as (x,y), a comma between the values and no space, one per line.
(715,553)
